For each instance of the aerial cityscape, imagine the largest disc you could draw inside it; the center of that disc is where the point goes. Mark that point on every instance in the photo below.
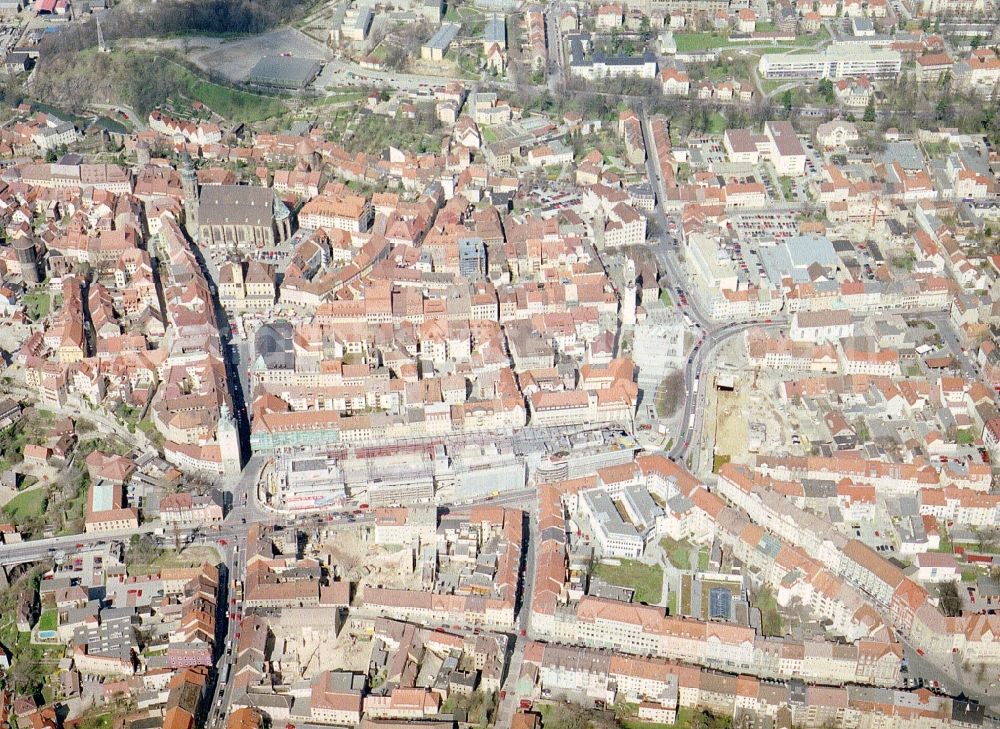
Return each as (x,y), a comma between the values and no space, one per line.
(452,364)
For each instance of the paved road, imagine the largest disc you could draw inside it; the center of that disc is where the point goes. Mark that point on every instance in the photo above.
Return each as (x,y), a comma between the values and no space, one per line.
(944,327)
(709,335)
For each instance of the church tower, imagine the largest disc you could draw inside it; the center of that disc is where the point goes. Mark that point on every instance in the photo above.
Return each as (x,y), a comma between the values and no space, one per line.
(229,442)
(628,296)
(189,185)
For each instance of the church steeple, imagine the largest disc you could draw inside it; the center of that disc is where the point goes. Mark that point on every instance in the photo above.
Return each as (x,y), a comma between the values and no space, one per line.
(189,184)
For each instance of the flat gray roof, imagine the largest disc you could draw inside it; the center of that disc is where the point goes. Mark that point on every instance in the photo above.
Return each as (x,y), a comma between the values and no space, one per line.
(443,36)
(496,30)
(286,71)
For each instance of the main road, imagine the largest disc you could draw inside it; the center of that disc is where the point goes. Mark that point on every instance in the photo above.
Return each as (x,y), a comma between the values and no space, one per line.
(710,335)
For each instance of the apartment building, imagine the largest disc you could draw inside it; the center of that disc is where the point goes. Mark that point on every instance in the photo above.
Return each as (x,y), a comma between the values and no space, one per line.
(837,61)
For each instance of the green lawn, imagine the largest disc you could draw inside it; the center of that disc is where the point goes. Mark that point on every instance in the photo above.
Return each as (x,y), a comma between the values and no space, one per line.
(36,304)
(769,615)
(340,98)
(677,553)
(27,505)
(192,556)
(786,188)
(646,580)
(233,104)
(146,426)
(965,437)
(101,721)
(811,40)
(970,575)
(717,123)
(718,461)
(48,620)
(945,546)
(689,42)
(684,716)
(489,135)
(703,557)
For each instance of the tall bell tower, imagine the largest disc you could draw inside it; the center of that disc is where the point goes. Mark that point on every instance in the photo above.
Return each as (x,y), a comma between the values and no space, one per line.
(189,185)
(628,296)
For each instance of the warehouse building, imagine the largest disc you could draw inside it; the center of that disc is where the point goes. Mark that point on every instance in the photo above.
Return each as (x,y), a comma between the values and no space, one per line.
(286,72)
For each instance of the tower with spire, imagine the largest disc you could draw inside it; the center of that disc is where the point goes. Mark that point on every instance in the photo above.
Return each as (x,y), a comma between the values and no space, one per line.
(189,185)
(628,296)
(229,442)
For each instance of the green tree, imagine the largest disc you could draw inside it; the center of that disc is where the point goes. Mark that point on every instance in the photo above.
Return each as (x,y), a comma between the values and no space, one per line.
(942,110)
(786,100)
(825,88)
(870,111)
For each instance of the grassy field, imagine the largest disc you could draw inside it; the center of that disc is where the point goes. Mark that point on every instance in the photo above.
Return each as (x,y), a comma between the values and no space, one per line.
(767,85)
(677,553)
(190,557)
(233,104)
(770,618)
(26,505)
(786,188)
(36,304)
(98,721)
(946,545)
(690,42)
(646,580)
(717,123)
(48,620)
(43,658)
(683,720)
(718,461)
(340,97)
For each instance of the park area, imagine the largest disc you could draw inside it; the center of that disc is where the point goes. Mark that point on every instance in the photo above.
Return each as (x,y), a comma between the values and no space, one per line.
(646,580)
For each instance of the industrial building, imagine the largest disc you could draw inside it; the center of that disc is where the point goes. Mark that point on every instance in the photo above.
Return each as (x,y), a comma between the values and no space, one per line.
(285,72)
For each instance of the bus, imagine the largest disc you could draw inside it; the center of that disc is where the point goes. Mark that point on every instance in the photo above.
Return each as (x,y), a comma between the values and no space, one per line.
(691,422)
(694,390)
